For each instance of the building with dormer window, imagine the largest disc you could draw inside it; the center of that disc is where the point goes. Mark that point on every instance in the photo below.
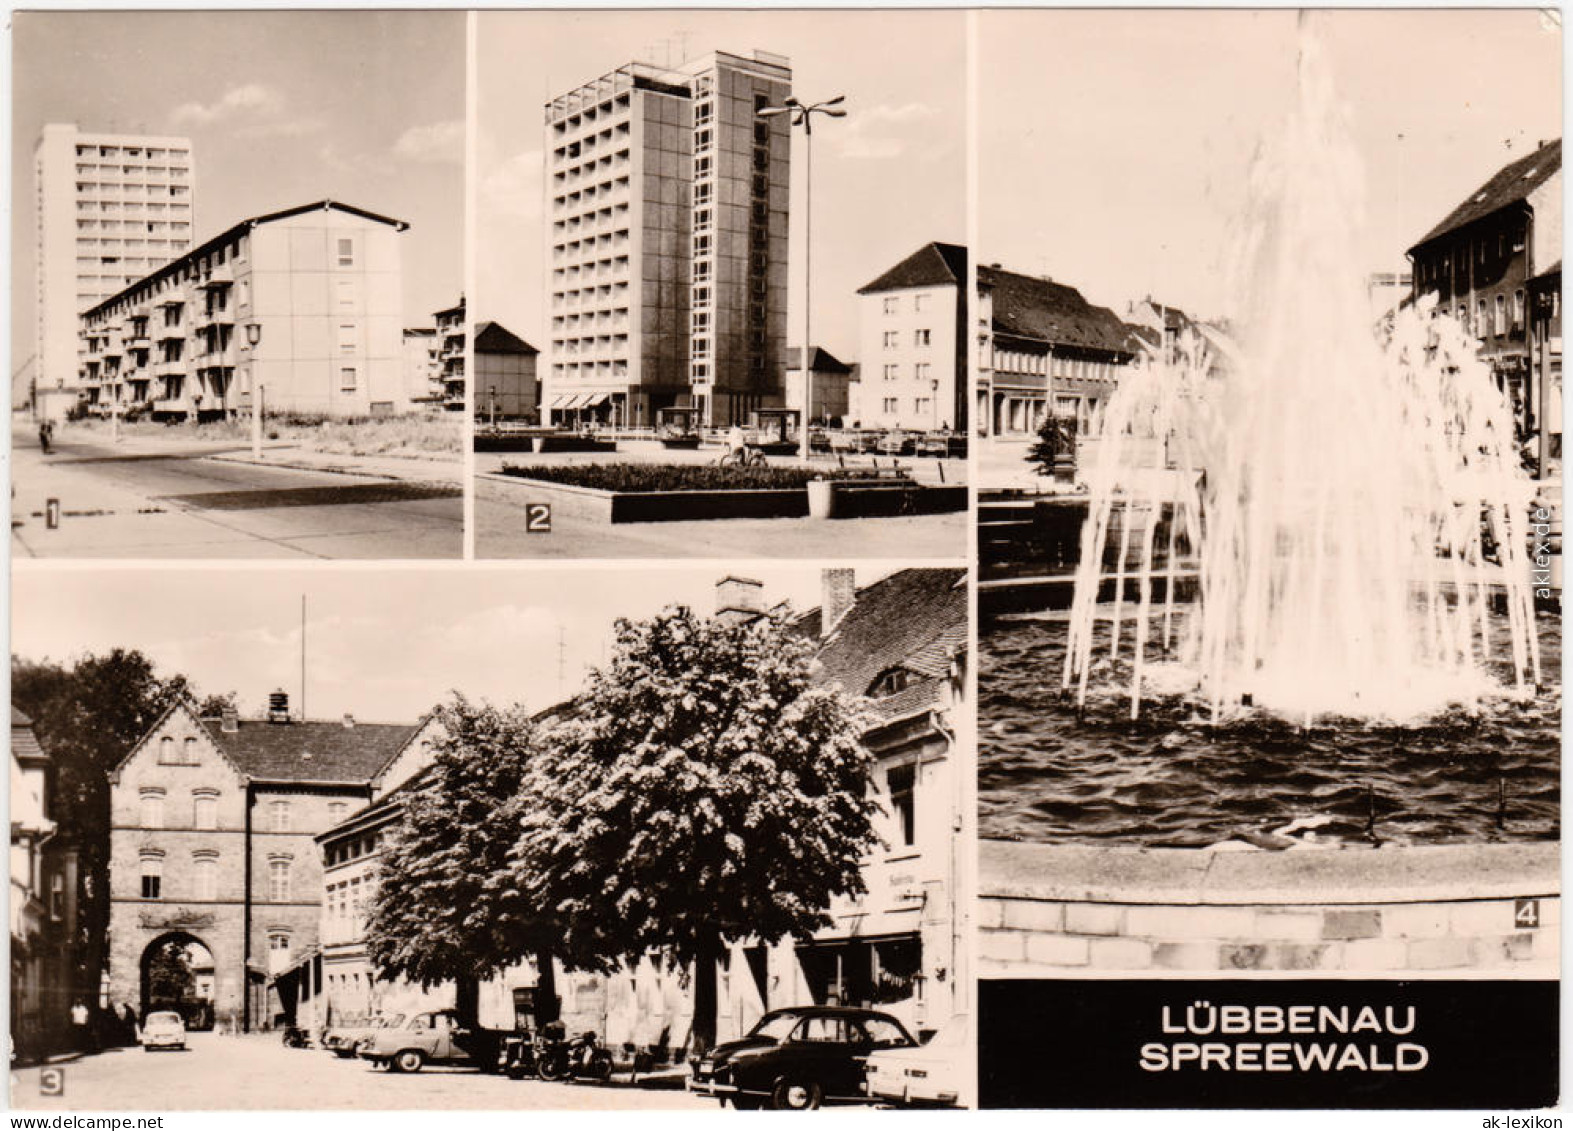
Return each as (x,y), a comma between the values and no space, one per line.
(212,847)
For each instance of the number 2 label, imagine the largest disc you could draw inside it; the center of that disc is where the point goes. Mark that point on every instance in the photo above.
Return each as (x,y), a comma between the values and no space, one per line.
(538,518)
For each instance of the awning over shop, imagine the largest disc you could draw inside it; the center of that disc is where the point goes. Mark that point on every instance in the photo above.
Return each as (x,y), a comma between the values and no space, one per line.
(591,400)
(561,400)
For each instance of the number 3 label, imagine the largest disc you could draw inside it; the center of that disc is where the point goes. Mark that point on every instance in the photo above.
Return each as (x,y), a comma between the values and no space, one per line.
(538,518)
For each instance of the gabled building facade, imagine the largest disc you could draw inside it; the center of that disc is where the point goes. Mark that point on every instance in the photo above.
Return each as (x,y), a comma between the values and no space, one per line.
(912,343)
(1478,265)
(506,385)
(320,288)
(212,844)
(1043,348)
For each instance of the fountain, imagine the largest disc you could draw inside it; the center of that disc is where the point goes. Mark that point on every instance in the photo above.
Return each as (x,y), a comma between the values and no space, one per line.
(1343,501)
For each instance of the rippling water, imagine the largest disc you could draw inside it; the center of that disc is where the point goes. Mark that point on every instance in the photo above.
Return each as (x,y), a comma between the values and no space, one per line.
(1169,779)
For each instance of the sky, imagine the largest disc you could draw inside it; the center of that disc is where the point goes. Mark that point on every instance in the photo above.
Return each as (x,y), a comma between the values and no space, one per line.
(1115,146)
(384,644)
(888,178)
(282,108)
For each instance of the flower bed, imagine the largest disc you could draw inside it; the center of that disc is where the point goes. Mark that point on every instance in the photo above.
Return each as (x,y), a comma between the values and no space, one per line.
(647,478)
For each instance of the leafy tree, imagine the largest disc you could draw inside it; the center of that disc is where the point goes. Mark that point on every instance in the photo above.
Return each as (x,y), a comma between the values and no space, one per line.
(703,790)
(170,979)
(446,905)
(87,716)
(1056,438)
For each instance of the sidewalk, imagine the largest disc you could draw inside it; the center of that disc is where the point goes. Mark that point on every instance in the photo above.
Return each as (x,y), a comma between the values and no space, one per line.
(409,469)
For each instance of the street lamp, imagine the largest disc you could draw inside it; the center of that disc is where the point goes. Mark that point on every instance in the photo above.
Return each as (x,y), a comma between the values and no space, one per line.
(253,339)
(802,114)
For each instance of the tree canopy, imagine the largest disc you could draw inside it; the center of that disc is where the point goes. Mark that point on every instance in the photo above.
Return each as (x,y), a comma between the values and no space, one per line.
(87,716)
(446,905)
(702,790)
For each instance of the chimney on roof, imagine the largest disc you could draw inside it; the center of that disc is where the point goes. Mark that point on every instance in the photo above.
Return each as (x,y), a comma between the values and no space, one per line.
(349,721)
(739,600)
(229,720)
(278,707)
(840,594)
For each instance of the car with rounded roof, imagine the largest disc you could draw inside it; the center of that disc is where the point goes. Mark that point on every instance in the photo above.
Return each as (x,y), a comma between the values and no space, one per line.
(163,1029)
(798,1058)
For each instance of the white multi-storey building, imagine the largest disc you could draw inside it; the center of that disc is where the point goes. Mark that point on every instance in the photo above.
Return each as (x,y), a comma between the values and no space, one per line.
(319,286)
(110,208)
(668,200)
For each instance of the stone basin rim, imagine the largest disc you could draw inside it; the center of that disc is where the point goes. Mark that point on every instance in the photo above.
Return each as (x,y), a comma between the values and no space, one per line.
(1208,877)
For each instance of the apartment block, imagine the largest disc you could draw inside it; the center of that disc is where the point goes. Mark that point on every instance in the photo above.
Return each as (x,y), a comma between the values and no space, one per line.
(109,209)
(319,286)
(912,330)
(450,355)
(668,200)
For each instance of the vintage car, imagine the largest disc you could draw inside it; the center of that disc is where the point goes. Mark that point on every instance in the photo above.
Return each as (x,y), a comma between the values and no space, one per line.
(410,1044)
(935,1073)
(345,1040)
(163,1030)
(797,1059)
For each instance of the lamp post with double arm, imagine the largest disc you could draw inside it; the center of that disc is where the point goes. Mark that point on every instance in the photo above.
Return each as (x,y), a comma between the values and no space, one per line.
(802,114)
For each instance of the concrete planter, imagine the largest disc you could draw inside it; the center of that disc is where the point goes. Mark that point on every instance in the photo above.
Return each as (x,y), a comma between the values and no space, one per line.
(847,499)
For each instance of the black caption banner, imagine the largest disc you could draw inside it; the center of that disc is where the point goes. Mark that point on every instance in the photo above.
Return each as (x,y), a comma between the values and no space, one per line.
(1267,1044)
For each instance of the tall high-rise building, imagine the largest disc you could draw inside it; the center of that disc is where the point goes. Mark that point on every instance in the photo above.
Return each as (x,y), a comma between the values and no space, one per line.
(668,200)
(110,209)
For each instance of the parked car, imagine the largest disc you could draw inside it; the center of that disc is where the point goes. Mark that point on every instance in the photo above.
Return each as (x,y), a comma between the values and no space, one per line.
(937,1072)
(432,1038)
(345,1041)
(798,1058)
(163,1030)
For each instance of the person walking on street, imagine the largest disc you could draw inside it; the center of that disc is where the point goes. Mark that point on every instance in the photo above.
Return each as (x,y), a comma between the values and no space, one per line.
(46,431)
(81,1028)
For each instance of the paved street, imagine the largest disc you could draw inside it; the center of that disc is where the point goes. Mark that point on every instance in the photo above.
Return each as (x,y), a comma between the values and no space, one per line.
(258,1072)
(201,499)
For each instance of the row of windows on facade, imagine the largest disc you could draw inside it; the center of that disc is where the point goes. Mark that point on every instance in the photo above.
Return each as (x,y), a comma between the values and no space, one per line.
(1492,319)
(921,371)
(346,296)
(585,145)
(891,406)
(588,114)
(151,153)
(892,303)
(1480,250)
(920,338)
(601,219)
(347,902)
(126,205)
(1042,364)
(204,811)
(204,878)
(581,203)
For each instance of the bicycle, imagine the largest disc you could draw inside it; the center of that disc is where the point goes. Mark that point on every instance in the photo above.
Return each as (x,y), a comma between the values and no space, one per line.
(747,457)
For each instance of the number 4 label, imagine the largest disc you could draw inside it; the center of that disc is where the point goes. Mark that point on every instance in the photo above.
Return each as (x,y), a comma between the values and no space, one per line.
(538,518)
(1526,912)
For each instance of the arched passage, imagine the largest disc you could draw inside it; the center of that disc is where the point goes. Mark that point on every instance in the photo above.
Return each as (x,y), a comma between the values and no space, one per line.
(177,974)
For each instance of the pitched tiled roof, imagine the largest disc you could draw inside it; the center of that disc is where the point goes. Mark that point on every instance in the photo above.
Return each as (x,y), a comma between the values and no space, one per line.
(311,751)
(914,619)
(932,265)
(24,743)
(1046,311)
(490,337)
(824,360)
(1512,183)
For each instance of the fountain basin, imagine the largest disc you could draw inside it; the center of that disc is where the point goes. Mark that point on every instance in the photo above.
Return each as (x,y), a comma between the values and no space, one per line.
(1048,909)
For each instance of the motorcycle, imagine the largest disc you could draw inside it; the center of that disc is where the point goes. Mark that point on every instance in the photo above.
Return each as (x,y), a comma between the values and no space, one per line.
(582,1057)
(520,1056)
